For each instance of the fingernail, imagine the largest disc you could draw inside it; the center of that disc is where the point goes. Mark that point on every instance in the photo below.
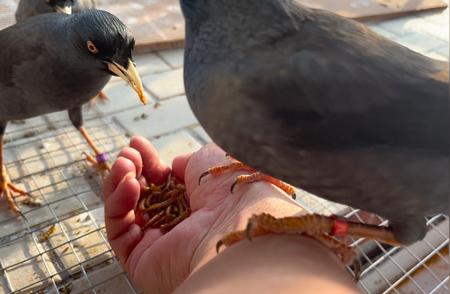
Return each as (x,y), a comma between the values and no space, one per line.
(128,176)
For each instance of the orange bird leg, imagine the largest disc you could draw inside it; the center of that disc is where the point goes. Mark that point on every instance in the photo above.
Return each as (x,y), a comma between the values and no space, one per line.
(312,225)
(101,159)
(223,169)
(255,177)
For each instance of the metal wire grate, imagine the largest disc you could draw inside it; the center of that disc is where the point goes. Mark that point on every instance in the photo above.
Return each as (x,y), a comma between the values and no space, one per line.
(44,156)
(46,160)
(420,268)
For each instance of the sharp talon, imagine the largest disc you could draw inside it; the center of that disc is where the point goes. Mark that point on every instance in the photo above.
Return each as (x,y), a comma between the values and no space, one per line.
(294,196)
(357,269)
(248,231)
(20,213)
(219,244)
(233,186)
(202,176)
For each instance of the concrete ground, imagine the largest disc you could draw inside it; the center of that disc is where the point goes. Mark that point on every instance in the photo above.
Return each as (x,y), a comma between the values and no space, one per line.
(44,156)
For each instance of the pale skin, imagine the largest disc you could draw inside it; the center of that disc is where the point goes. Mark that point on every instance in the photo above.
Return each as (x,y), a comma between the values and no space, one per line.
(185,259)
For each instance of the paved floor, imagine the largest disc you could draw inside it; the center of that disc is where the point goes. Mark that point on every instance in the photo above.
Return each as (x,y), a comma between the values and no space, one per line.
(44,155)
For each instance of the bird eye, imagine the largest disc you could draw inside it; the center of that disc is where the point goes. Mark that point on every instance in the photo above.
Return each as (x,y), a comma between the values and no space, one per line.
(91,47)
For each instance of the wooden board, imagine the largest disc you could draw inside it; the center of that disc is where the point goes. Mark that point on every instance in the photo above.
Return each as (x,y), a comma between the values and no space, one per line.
(158,24)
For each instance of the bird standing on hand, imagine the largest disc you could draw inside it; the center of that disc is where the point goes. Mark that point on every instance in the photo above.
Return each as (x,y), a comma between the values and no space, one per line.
(323,103)
(56,62)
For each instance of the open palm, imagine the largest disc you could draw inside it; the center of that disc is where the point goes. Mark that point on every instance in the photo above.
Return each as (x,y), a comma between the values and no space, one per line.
(160,262)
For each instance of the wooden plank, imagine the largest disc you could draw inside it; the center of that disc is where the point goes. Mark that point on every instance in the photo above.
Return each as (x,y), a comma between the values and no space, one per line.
(158,24)
(364,10)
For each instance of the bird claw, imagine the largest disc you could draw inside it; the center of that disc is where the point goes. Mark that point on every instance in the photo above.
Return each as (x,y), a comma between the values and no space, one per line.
(6,187)
(256,177)
(219,245)
(253,177)
(263,224)
(206,173)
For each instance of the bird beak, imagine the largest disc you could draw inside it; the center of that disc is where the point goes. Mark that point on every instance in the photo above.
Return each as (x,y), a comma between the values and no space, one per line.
(64,9)
(130,75)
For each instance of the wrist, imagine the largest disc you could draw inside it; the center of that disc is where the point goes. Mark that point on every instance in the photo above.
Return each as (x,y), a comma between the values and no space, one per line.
(234,212)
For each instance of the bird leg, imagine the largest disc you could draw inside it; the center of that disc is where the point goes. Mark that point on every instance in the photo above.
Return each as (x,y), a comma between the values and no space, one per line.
(100,97)
(257,176)
(319,227)
(253,177)
(100,162)
(6,187)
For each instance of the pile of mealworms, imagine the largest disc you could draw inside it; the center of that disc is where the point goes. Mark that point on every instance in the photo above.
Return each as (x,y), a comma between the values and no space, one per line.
(165,205)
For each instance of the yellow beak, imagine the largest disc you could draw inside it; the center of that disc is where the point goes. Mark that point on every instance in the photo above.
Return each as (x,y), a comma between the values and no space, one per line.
(64,9)
(131,76)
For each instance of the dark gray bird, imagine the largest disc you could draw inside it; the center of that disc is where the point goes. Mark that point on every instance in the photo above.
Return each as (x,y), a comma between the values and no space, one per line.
(29,8)
(54,62)
(324,103)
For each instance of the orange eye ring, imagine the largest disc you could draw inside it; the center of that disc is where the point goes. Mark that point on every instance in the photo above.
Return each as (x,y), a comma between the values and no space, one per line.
(91,47)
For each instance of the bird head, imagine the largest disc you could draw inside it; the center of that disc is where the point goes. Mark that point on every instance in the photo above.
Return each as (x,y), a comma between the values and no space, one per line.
(104,42)
(61,6)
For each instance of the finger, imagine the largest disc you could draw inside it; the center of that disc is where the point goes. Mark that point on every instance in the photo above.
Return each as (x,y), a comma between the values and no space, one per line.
(122,231)
(154,170)
(120,168)
(124,199)
(179,165)
(134,156)
(124,245)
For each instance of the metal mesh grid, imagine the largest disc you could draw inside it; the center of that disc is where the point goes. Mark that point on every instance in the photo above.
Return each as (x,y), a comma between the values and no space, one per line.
(46,160)
(420,268)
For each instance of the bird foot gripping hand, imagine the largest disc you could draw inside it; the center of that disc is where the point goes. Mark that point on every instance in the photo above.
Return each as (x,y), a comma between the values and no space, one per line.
(164,206)
(319,227)
(245,179)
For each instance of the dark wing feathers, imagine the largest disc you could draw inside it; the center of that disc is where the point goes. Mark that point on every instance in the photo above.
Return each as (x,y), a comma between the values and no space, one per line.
(331,97)
(14,51)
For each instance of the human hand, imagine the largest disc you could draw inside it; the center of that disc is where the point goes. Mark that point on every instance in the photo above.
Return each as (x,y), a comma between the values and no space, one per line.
(160,262)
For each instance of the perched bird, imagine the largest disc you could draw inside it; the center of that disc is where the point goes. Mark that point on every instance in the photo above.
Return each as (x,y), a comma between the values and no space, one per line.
(323,103)
(56,62)
(29,8)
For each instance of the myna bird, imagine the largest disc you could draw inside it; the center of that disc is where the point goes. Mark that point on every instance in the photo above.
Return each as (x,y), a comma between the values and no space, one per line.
(324,103)
(30,8)
(54,62)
